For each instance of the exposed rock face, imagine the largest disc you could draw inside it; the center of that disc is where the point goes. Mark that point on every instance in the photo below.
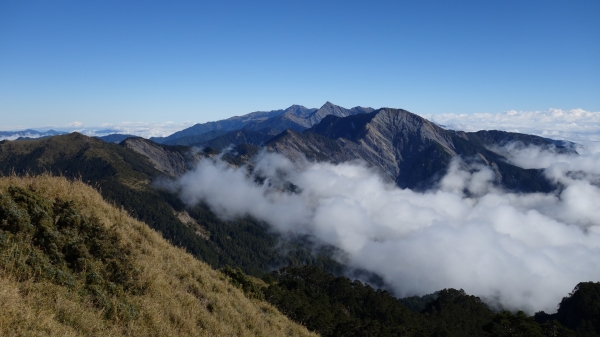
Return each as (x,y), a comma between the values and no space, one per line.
(408,149)
(165,159)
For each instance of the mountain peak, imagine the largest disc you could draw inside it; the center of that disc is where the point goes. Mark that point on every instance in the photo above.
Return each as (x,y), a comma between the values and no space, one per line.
(328,105)
(296,106)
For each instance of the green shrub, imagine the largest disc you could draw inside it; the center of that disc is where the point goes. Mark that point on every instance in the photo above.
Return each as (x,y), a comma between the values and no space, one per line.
(49,240)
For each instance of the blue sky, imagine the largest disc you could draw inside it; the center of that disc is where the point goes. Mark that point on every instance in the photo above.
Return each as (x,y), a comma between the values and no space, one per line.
(98,62)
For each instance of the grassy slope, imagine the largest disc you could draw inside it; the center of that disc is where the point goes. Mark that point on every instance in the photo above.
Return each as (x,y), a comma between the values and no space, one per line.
(123,177)
(179,295)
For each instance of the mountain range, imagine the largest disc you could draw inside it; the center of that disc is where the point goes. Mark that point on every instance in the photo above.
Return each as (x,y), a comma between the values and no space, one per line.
(405,148)
(29,133)
(264,123)
(410,150)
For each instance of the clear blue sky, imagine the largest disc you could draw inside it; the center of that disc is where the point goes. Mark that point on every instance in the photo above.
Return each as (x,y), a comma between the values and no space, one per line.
(112,61)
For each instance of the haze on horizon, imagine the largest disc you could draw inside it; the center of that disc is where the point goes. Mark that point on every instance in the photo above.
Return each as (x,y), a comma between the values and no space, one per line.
(77,64)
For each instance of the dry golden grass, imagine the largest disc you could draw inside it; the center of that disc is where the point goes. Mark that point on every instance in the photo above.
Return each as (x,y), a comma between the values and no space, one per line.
(183,297)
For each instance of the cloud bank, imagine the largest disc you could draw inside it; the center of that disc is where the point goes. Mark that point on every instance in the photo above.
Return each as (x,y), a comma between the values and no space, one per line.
(141,129)
(521,251)
(574,125)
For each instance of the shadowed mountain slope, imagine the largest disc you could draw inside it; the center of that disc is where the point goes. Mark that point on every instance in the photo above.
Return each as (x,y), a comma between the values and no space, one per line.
(115,137)
(170,160)
(238,137)
(408,149)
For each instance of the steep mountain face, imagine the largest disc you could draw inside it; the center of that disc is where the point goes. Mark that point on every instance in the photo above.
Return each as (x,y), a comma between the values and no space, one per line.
(170,160)
(408,149)
(270,123)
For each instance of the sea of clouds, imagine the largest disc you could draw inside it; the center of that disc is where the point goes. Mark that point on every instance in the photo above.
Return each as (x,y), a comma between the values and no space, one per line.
(515,251)
(575,125)
(140,129)
(518,251)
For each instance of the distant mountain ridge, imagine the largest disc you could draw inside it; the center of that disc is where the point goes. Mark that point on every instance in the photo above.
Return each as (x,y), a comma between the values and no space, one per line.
(115,137)
(296,117)
(407,149)
(29,133)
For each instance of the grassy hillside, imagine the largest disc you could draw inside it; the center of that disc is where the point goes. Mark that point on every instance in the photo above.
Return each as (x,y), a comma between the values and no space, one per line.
(73,265)
(124,177)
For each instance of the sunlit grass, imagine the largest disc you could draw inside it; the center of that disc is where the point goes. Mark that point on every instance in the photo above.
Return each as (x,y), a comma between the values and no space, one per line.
(168,292)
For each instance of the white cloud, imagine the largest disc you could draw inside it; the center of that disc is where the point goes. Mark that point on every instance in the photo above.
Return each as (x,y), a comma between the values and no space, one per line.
(140,129)
(574,125)
(74,125)
(523,251)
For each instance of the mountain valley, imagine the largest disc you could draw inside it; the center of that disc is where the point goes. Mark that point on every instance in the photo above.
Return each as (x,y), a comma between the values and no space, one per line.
(304,283)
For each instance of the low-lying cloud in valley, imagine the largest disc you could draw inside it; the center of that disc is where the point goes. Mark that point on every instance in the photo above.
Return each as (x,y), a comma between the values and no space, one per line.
(522,251)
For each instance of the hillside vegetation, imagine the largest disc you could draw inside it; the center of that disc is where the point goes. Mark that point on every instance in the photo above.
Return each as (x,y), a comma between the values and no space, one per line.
(73,265)
(123,176)
(338,306)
